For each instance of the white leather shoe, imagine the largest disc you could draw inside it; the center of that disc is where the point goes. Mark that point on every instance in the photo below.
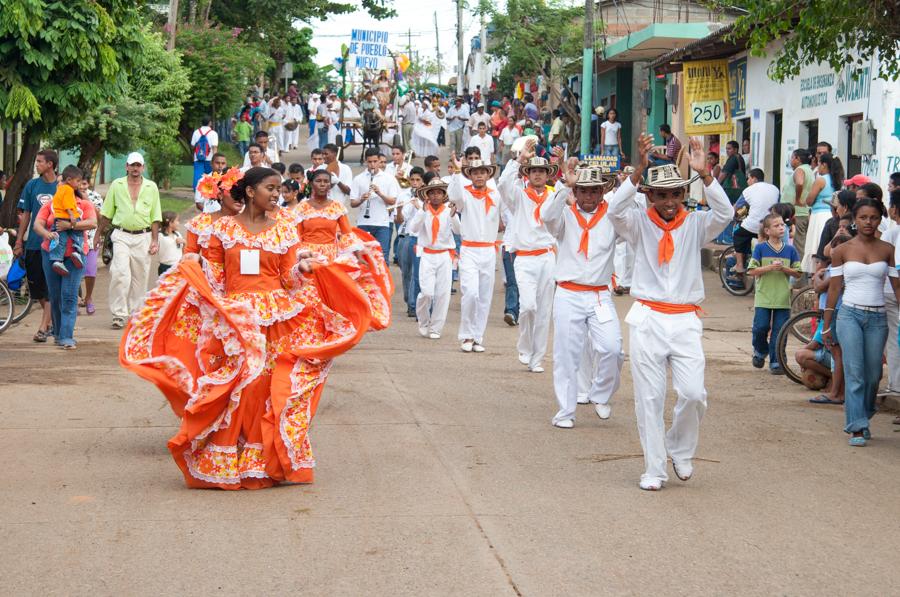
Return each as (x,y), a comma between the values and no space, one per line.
(537,369)
(567,424)
(477,347)
(651,484)
(603,410)
(583,399)
(524,359)
(434,336)
(684,469)
(466,346)
(423,332)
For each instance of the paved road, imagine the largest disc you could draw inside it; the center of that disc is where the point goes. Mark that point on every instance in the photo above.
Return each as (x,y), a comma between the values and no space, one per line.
(440,474)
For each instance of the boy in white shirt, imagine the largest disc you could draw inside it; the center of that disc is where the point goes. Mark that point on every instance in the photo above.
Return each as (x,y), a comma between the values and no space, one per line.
(479,210)
(341,175)
(484,143)
(584,316)
(665,329)
(434,225)
(533,245)
(372,192)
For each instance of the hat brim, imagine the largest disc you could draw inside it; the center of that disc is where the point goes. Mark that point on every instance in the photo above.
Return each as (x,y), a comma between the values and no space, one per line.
(552,169)
(670,184)
(491,168)
(603,182)
(422,193)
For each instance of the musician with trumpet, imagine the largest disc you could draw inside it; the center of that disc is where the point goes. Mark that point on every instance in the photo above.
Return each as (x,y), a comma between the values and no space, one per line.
(372,192)
(401,164)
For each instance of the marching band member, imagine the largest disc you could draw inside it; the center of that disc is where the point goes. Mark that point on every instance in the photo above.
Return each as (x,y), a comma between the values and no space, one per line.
(586,327)
(479,223)
(533,246)
(434,226)
(665,328)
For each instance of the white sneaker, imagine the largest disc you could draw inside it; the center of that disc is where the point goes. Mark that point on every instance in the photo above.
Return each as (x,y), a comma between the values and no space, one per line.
(467,346)
(536,369)
(684,469)
(423,332)
(477,347)
(583,399)
(434,336)
(567,424)
(603,410)
(524,359)
(651,484)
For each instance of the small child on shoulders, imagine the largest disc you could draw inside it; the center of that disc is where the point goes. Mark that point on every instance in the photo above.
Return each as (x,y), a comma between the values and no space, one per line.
(773,264)
(65,209)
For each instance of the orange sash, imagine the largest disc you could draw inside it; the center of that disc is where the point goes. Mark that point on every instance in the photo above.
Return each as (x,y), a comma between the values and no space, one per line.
(670,308)
(538,200)
(483,193)
(435,221)
(576,287)
(479,244)
(586,226)
(667,243)
(533,253)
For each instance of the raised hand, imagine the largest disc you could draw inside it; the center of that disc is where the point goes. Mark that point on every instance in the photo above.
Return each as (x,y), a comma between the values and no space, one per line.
(558,152)
(698,156)
(454,161)
(644,144)
(528,151)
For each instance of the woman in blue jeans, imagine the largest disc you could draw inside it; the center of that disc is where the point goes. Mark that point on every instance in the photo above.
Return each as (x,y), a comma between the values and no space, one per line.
(861,265)
(63,290)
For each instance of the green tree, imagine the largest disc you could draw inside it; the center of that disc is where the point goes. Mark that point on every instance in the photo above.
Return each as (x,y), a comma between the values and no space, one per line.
(221,67)
(837,32)
(57,61)
(149,110)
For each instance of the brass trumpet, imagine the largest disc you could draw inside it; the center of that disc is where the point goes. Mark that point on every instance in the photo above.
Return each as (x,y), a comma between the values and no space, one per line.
(402,179)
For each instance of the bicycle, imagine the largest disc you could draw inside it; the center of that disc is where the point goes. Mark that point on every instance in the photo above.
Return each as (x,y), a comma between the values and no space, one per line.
(795,334)
(7,306)
(734,283)
(804,299)
(22,302)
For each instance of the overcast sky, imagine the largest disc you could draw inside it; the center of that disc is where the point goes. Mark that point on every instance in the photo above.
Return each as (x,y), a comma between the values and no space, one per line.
(416,16)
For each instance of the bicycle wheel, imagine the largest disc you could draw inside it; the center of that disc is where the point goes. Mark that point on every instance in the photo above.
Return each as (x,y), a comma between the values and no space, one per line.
(22,301)
(734,283)
(794,335)
(804,299)
(6,307)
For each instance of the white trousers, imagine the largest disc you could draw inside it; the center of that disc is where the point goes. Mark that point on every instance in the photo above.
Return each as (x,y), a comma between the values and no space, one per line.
(477,267)
(129,272)
(892,351)
(294,137)
(586,370)
(577,328)
(655,341)
(534,276)
(435,277)
(623,262)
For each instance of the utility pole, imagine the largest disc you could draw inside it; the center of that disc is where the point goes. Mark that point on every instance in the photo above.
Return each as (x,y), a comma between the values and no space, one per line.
(460,67)
(587,77)
(437,47)
(171,24)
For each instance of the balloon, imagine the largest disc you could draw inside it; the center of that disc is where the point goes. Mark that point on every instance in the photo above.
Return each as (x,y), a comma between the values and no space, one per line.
(338,64)
(402,88)
(403,62)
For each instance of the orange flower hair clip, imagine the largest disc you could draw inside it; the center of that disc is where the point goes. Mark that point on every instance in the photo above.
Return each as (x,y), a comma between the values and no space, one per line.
(212,185)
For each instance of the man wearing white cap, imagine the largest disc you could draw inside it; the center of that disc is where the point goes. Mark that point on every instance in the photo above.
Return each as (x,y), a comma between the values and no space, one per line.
(584,317)
(133,209)
(665,329)
(478,117)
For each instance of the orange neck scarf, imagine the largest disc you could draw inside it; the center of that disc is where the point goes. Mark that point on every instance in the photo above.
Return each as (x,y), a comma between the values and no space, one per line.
(667,243)
(587,225)
(538,200)
(435,222)
(482,193)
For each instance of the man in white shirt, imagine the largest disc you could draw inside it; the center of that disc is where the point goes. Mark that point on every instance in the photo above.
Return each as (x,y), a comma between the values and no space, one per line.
(341,175)
(479,116)
(584,316)
(312,108)
(457,118)
(759,196)
(409,114)
(255,157)
(269,154)
(372,192)
(479,209)
(668,287)
(398,168)
(533,245)
(484,143)
(204,143)
(219,164)
(323,121)
(508,136)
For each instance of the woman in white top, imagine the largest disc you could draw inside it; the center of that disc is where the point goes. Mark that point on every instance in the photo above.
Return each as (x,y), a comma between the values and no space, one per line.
(860,266)
(611,134)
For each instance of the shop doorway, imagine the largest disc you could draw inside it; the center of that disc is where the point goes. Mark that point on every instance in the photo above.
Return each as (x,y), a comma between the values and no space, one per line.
(774,122)
(809,134)
(852,163)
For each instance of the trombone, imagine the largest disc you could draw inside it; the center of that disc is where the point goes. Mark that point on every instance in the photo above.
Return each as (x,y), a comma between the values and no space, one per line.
(402,174)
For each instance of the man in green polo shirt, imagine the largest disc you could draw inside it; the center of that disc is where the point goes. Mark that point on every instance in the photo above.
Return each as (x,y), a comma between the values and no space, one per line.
(133,209)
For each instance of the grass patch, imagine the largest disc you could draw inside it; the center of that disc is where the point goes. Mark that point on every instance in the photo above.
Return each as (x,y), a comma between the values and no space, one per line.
(173,203)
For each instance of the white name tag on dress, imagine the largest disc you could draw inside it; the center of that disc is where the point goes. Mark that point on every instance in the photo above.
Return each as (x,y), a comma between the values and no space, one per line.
(250,262)
(637,314)
(604,313)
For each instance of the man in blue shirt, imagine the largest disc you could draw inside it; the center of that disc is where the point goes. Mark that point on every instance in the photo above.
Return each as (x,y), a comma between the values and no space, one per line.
(37,192)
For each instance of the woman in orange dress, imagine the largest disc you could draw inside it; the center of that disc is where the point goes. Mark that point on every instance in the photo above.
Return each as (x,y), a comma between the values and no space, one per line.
(251,366)
(215,187)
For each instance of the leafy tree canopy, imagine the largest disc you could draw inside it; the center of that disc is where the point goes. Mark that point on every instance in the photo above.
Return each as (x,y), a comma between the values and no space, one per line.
(836,32)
